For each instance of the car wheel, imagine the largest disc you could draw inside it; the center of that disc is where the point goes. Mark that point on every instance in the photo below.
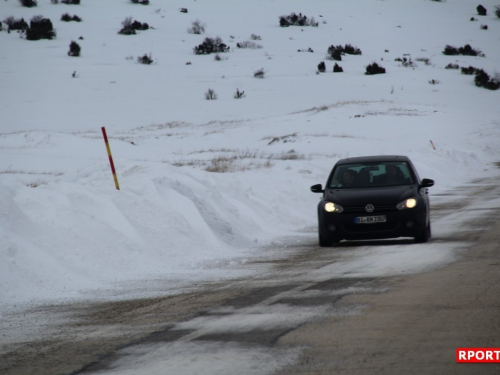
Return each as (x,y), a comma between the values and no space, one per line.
(425,235)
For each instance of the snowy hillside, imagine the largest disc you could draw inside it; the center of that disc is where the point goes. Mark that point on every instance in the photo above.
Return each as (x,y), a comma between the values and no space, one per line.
(206,184)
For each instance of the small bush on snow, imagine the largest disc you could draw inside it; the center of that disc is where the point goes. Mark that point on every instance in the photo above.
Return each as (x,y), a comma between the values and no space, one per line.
(321,67)
(129,27)
(28,3)
(466,50)
(67,18)
(40,28)
(210,45)
(71,2)
(248,44)
(374,69)
(482,79)
(13,24)
(211,95)
(297,20)
(481,10)
(74,49)
(259,73)
(145,59)
(239,94)
(197,27)
(497,11)
(143,2)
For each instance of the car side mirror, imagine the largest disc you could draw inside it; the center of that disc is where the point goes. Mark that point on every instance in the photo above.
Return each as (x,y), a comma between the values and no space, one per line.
(427,182)
(317,188)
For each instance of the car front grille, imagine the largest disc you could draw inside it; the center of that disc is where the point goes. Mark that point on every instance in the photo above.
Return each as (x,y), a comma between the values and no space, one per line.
(378,209)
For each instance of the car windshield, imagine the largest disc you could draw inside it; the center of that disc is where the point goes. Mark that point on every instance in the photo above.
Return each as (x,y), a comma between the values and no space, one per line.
(366,175)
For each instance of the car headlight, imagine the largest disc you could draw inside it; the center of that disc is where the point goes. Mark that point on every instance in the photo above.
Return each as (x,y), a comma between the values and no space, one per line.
(408,203)
(332,207)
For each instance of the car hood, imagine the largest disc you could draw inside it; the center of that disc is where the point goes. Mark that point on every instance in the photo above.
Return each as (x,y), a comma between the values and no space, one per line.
(376,195)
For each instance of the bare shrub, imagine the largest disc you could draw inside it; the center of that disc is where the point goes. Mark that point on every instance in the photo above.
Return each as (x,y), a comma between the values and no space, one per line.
(255,37)
(248,44)
(452,66)
(425,60)
(321,67)
(211,95)
(145,59)
(259,73)
(239,94)
(143,2)
(434,82)
(197,27)
(71,2)
(406,62)
(497,11)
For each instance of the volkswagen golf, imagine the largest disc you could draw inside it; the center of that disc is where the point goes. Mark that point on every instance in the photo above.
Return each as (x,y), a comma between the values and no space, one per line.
(373,197)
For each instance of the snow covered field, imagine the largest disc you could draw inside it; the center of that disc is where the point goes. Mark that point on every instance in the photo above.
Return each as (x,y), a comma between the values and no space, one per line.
(207,185)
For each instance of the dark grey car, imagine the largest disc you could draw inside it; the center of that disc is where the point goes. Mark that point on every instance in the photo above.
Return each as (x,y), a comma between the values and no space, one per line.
(373,197)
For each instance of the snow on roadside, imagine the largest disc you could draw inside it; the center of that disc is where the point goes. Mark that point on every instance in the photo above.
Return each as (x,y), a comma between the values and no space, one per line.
(65,230)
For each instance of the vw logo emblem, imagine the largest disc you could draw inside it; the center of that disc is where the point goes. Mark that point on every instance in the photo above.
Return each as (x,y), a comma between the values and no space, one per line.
(370,208)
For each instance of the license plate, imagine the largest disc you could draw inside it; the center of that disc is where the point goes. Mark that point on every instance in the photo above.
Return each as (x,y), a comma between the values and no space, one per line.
(370,219)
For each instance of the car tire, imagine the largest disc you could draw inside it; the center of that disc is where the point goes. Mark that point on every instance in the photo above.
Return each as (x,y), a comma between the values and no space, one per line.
(425,235)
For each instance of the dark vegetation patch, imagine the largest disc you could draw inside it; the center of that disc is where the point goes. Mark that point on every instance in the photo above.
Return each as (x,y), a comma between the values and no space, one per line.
(40,28)
(337,68)
(321,67)
(28,3)
(71,2)
(74,49)
(211,45)
(466,50)
(13,24)
(374,69)
(130,27)
(143,2)
(297,20)
(481,10)
(67,18)
(145,59)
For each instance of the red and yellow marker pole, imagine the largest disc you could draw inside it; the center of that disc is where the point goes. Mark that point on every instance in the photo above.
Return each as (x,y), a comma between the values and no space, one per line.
(110,158)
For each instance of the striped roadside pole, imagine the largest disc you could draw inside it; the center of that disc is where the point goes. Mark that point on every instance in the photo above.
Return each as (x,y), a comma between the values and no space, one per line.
(110,158)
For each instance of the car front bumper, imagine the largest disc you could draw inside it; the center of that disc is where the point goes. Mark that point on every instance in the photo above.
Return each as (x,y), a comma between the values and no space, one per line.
(405,223)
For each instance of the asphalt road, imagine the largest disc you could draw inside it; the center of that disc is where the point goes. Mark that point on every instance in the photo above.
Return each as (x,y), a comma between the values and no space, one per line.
(303,317)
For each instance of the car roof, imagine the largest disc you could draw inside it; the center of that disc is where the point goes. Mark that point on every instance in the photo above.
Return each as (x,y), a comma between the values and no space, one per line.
(373,159)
